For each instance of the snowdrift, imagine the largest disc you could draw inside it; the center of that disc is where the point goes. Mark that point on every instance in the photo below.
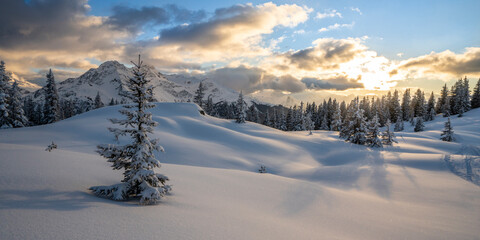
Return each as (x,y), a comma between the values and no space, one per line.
(317,187)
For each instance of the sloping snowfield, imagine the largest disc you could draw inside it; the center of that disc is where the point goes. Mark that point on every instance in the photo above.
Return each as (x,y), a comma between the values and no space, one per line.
(317,187)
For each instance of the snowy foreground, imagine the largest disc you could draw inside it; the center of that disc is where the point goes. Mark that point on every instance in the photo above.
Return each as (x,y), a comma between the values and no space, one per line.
(317,187)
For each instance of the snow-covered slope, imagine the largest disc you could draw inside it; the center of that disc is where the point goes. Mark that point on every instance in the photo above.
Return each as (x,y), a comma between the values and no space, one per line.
(318,187)
(110,78)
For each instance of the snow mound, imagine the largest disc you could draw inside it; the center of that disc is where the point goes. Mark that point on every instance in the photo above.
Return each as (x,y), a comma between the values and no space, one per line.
(316,186)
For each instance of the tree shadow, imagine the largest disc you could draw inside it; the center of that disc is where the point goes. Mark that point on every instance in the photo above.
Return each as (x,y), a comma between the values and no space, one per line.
(45,199)
(49,199)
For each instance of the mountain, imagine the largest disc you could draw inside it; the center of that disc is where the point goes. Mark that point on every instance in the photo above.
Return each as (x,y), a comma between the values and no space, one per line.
(316,186)
(110,78)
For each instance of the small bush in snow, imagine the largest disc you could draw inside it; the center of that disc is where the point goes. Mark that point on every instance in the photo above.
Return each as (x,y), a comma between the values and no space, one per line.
(262,169)
(51,147)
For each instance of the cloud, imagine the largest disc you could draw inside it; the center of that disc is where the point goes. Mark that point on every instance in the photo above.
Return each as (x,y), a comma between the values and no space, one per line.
(329,14)
(251,79)
(356,9)
(336,26)
(446,62)
(52,25)
(238,29)
(327,53)
(339,82)
(133,20)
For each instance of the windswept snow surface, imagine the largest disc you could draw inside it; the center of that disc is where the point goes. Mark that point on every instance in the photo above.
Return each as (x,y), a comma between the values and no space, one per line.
(317,187)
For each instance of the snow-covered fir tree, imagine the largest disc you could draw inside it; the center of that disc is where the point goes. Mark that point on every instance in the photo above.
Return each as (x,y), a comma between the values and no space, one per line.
(399,125)
(309,124)
(446,107)
(337,119)
(418,104)
(240,107)
(267,121)
(112,102)
(4,98)
(440,106)
(324,125)
(388,137)
(17,115)
(373,134)
(98,101)
(447,134)
(355,130)
(137,158)
(431,115)
(395,107)
(51,107)
(475,102)
(274,122)
(209,106)
(430,108)
(419,125)
(199,94)
(253,114)
(282,122)
(406,109)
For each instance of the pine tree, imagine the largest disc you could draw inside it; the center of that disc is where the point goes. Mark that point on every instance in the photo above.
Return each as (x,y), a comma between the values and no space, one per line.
(388,137)
(354,129)
(283,122)
(430,109)
(136,158)
(5,113)
(240,114)
(431,115)
(98,101)
(440,107)
(406,110)
(395,107)
(418,104)
(447,134)
(309,124)
(199,94)
(446,107)
(17,118)
(209,106)
(324,125)
(475,102)
(337,119)
(373,134)
(112,102)
(419,126)
(267,121)
(399,125)
(51,109)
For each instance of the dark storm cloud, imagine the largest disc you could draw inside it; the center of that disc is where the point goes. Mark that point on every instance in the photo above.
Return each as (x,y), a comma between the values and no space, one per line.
(327,54)
(340,83)
(252,79)
(445,62)
(132,19)
(49,25)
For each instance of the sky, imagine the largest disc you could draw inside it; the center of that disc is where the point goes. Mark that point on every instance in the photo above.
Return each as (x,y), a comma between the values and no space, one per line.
(300,49)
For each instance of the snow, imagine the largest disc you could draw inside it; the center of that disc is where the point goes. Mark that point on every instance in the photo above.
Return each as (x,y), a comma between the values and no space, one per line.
(316,186)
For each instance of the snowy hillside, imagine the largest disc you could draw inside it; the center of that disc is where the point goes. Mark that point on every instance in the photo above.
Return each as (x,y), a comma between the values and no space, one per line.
(110,78)
(317,187)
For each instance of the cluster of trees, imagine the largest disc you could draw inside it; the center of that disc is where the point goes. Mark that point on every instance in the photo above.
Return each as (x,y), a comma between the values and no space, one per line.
(17,110)
(359,120)
(11,103)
